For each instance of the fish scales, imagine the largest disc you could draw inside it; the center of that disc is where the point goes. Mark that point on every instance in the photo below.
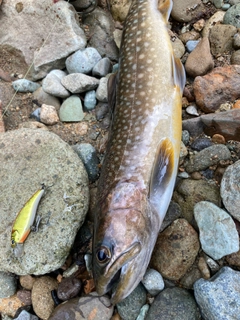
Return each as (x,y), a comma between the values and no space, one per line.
(141,161)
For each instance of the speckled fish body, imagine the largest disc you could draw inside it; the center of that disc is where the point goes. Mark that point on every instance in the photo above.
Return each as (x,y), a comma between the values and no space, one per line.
(141,161)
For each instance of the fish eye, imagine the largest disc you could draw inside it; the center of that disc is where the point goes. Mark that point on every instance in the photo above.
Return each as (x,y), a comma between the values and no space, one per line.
(103,254)
(13,243)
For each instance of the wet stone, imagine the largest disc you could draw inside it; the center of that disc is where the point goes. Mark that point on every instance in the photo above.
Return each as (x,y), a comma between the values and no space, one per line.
(153,282)
(200,144)
(130,307)
(231,16)
(213,220)
(219,297)
(174,303)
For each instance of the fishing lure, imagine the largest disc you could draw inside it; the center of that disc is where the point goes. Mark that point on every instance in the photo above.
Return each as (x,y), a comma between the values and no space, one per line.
(24,221)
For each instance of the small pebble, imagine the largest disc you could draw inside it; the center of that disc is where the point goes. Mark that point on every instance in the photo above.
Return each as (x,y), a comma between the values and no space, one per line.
(24,85)
(78,82)
(191,45)
(25,296)
(71,110)
(48,115)
(36,114)
(27,281)
(185,137)
(24,315)
(213,265)
(52,84)
(102,93)
(201,143)
(90,100)
(143,312)
(102,68)
(8,284)
(196,175)
(68,288)
(203,267)
(153,282)
(218,138)
(192,110)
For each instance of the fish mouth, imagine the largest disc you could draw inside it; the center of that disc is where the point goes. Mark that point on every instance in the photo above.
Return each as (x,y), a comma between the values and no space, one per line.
(119,273)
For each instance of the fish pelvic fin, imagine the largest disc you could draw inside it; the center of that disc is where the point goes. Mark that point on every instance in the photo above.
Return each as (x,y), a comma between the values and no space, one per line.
(179,75)
(162,178)
(165,7)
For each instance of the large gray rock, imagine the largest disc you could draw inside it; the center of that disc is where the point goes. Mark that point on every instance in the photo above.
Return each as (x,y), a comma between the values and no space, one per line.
(56,23)
(28,158)
(219,297)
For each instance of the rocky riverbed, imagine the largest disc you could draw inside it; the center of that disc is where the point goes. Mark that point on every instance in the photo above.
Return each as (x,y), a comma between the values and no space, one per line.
(55,60)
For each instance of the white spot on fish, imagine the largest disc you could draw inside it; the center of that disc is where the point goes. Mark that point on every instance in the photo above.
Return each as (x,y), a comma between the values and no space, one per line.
(141,56)
(140,75)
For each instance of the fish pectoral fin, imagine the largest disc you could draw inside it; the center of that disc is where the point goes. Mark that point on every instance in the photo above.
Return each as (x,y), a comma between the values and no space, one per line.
(165,7)
(111,86)
(162,180)
(179,75)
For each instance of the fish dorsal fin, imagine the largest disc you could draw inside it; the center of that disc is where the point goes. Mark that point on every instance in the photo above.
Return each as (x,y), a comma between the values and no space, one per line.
(162,178)
(165,7)
(179,76)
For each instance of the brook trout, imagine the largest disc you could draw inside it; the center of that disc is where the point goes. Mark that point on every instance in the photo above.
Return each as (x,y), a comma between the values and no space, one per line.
(141,161)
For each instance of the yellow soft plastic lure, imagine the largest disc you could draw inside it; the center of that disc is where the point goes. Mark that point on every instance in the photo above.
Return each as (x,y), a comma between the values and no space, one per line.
(25,219)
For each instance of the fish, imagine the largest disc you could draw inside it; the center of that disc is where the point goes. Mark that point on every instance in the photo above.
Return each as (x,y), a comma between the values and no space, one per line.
(141,161)
(24,221)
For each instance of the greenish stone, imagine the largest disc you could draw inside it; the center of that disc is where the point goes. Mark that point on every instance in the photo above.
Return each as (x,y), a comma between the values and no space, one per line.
(71,110)
(232,16)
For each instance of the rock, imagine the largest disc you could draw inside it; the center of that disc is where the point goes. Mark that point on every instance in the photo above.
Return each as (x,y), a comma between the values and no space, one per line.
(24,85)
(218,138)
(46,55)
(36,114)
(217,18)
(213,295)
(199,25)
(181,12)
(236,41)
(71,110)
(203,267)
(102,68)
(185,137)
(89,307)
(88,155)
(177,45)
(41,97)
(189,36)
(208,157)
(213,220)
(217,87)
(42,302)
(193,126)
(192,275)
(83,61)
(9,306)
(25,297)
(119,10)
(32,125)
(24,315)
(221,38)
(192,110)
(235,57)
(102,92)
(178,244)
(174,303)
(8,285)
(230,189)
(199,62)
(183,153)
(101,27)
(143,312)
(52,84)
(30,157)
(173,213)
(27,281)
(189,192)
(90,100)
(130,307)
(68,288)
(48,115)
(225,123)
(191,45)
(231,16)
(201,143)
(153,282)
(79,82)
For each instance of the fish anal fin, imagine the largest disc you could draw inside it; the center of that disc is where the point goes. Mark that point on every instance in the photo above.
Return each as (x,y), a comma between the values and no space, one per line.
(179,76)
(165,7)
(162,179)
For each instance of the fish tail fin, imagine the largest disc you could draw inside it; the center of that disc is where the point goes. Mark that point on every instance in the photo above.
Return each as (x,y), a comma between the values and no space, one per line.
(165,7)
(162,178)
(179,76)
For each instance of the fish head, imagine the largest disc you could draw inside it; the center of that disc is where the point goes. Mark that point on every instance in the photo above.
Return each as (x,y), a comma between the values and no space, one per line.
(122,247)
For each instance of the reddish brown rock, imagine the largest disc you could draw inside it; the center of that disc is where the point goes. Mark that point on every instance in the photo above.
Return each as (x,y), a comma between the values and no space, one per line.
(175,250)
(9,306)
(236,105)
(218,138)
(219,86)
(200,60)
(226,124)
